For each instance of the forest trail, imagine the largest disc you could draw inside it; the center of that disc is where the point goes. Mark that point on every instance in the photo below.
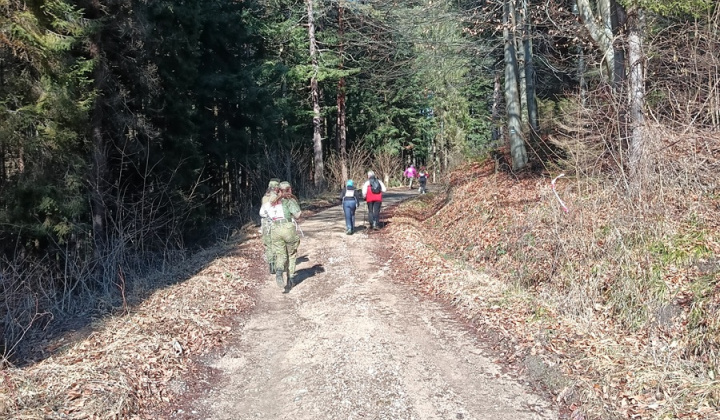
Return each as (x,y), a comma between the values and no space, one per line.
(348,342)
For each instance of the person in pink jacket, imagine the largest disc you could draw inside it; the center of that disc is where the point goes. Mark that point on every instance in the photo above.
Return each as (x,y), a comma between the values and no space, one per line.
(410,173)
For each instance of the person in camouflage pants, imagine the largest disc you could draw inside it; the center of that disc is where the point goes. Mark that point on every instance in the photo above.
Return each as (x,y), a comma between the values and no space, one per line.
(283,209)
(266,225)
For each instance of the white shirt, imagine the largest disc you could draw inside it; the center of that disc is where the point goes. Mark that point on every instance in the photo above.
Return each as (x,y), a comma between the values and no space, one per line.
(272,212)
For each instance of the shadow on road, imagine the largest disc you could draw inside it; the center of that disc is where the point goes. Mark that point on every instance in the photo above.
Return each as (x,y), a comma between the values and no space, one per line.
(305,273)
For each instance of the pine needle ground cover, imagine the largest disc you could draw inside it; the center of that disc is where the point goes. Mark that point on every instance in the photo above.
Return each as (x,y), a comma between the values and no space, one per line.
(612,308)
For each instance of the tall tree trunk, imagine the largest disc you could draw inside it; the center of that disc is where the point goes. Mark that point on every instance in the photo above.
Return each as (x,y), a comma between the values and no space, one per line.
(517,24)
(319,170)
(497,100)
(341,129)
(581,66)
(512,93)
(600,28)
(532,110)
(445,145)
(636,82)
(617,21)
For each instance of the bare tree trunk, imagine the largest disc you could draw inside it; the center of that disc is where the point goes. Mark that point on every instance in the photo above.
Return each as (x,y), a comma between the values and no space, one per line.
(581,66)
(600,28)
(531,101)
(512,93)
(516,28)
(636,23)
(434,156)
(497,99)
(617,21)
(319,175)
(444,144)
(341,129)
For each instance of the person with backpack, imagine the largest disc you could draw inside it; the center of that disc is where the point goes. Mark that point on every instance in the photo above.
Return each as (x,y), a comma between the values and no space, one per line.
(283,209)
(372,191)
(423,176)
(266,224)
(410,173)
(350,202)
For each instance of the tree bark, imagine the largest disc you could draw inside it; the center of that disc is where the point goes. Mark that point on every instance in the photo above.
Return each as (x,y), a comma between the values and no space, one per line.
(319,175)
(512,93)
(617,21)
(532,110)
(600,28)
(636,82)
(341,129)
(517,24)
(497,98)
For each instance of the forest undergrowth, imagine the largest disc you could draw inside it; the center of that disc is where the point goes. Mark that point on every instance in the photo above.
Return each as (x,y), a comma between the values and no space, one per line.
(612,307)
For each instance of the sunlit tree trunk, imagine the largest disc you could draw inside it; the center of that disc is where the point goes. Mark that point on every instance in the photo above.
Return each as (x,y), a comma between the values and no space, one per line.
(495,112)
(319,175)
(600,28)
(512,93)
(636,85)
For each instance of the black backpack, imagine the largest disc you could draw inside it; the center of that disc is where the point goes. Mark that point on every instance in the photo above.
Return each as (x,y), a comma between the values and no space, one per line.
(375,186)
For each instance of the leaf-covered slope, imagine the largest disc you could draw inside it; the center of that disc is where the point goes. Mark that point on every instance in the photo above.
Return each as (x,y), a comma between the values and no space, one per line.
(611,308)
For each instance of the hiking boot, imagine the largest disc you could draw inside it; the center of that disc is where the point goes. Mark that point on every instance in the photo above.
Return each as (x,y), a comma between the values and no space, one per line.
(279,279)
(272,268)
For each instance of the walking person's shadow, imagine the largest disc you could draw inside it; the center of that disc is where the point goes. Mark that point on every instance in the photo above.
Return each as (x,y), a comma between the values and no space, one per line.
(305,273)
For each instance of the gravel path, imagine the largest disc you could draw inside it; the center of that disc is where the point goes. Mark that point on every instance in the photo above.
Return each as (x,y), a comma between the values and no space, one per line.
(350,343)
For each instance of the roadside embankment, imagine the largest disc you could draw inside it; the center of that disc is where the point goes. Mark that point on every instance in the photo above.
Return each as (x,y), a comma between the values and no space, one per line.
(612,307)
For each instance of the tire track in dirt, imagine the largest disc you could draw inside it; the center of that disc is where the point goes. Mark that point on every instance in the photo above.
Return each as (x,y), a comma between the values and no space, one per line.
(350,343)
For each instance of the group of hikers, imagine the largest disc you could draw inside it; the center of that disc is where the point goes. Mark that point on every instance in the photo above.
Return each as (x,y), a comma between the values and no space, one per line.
(422,176)
(280,210)
(371,191)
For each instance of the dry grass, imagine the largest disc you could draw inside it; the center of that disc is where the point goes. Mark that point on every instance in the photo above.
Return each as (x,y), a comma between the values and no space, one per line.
(127,365)
(612,307)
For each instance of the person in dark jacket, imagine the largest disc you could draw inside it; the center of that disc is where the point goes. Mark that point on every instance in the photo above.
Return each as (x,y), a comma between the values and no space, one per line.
(350,202)
(423,176)
(373,199)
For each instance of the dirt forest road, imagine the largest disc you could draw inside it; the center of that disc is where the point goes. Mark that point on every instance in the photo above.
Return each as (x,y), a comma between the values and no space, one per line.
(348,342)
